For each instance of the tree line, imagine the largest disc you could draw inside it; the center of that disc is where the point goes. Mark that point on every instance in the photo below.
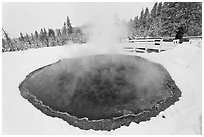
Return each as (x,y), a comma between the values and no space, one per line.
(44,38)
(162,21)
(165,18)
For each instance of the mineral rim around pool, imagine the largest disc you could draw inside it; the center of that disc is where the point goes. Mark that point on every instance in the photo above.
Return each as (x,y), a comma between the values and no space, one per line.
(101,92)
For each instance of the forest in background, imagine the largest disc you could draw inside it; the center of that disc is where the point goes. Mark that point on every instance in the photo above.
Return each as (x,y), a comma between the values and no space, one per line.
(165,18)
(44,38)
(162,21)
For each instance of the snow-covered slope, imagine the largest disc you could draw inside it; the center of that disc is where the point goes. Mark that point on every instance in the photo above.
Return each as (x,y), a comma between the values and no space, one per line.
(20,117)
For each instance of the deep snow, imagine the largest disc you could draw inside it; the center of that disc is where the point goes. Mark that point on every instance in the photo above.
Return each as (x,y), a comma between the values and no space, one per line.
(183,63)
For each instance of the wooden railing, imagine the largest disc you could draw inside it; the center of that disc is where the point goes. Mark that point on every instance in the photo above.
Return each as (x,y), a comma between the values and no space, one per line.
(154,44)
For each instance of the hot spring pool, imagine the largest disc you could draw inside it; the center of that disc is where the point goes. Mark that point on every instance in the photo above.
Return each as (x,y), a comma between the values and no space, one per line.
(101,92)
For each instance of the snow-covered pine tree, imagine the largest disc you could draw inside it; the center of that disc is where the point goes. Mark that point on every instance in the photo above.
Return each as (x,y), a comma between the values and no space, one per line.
(69,26)
(64,29)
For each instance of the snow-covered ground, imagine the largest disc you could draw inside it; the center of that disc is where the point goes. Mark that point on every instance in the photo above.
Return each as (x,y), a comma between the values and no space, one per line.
(183,63)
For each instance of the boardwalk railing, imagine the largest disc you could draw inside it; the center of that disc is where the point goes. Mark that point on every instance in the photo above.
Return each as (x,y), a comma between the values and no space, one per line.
(143,45)
(154,44)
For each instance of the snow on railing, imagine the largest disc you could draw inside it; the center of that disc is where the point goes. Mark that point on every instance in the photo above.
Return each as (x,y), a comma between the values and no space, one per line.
(141,44)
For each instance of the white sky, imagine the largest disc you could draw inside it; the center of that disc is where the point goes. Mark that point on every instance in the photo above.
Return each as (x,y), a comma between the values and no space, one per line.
(28,17)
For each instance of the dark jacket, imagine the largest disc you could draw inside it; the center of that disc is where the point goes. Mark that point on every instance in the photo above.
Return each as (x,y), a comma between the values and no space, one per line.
(179,33)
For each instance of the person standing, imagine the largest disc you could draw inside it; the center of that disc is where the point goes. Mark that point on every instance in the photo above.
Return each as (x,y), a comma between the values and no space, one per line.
(179,34)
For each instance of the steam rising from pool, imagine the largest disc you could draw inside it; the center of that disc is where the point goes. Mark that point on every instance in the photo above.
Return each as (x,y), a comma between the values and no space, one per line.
(99,87)
(104,35)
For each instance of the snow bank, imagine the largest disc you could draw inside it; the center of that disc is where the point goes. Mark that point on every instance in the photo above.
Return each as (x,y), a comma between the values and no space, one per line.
(20,117)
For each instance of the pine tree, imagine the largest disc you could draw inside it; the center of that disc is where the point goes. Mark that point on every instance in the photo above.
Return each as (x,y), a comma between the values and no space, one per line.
(136,22)
(6,35)
(159,8)
(69,26)
(146,14)
(8,41)
(146,22)
(41,35)
(45,33)
(58,32)
(36,34)
(27,39)
(37,39)
(158,20)
(141,23)
(154,27)
(21,37)
(141,19)
(64,29)
(51,33)
(32,37)
(169,12)
(4,45)
(45,37)
(133,26)
(154,11)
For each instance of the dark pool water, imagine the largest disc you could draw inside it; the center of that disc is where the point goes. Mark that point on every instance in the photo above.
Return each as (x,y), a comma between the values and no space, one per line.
(100,86)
